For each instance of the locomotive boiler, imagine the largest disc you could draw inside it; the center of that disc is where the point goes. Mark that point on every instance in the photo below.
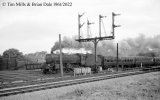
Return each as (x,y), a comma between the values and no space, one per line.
(69,61)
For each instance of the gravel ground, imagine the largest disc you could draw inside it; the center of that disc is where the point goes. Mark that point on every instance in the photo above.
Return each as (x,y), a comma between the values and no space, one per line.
(137,87)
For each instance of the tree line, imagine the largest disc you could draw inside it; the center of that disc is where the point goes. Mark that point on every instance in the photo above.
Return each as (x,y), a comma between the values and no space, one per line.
(14,59)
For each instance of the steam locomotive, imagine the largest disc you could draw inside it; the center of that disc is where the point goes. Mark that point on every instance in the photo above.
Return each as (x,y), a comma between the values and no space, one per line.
(88,60)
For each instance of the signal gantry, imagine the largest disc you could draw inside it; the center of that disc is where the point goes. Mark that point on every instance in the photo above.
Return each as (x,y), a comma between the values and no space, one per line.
(95,40)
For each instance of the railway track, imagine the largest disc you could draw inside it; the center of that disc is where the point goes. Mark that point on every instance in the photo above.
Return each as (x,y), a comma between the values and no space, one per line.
(37,87)
(42,80)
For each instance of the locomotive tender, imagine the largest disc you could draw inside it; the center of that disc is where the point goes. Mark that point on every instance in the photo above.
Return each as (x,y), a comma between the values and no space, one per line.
(87,60)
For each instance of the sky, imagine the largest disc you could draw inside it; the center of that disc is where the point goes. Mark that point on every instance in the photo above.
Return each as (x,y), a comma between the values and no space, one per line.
(36,28)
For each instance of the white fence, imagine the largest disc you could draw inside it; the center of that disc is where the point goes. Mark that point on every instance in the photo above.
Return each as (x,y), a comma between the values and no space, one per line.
(82,71)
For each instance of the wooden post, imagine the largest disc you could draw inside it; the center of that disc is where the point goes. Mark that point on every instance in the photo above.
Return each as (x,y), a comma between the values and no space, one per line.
(117,57)
(95,52)
(60,48)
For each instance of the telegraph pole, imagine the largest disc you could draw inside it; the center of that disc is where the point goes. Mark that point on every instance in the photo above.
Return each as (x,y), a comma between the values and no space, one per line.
(60,48)
(117,57)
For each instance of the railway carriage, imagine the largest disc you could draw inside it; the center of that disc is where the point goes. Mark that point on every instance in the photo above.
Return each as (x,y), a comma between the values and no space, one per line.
(144,61)
(126,62)
(109,62)
(123,62)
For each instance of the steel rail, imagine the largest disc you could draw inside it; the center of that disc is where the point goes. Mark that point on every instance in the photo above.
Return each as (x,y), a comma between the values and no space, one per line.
(37,87)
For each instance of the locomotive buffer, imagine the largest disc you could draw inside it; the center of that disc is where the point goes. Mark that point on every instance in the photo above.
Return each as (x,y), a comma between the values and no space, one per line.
(96,39)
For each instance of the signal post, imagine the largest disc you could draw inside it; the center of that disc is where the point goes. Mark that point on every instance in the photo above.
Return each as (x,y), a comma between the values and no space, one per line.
(96,39)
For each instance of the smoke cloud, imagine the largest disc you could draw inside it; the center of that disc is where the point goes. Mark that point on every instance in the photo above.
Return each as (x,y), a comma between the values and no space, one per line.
(139,46)
(70,43)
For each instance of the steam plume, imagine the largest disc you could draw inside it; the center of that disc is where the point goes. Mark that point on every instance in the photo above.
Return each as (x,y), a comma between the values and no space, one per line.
(139,46)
